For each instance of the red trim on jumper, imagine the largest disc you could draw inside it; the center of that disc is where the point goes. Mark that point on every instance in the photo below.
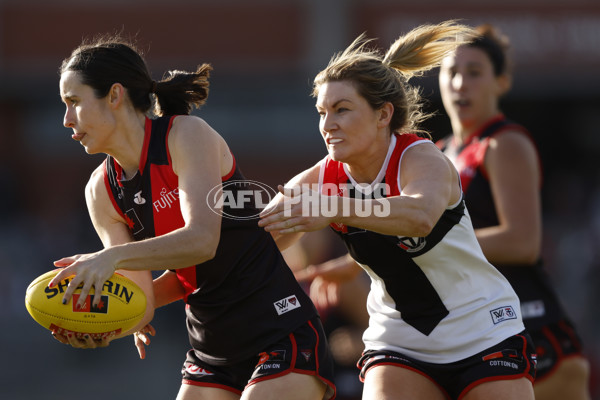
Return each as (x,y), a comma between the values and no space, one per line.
(119,172)
(167,139)
(187,278)
(213,385)
(334,176)
(508,127)
(483,127)
(391,174)
(230,174)
(147,134)
(109,190)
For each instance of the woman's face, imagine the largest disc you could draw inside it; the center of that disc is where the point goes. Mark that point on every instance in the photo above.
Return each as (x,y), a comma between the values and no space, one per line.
(348,124)
(86,115)
(469,88)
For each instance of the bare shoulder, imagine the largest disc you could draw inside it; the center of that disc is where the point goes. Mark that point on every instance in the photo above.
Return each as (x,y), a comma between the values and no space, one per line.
(98,199)
(189,127)
(191,133)
(424,154)
(96,181)
(512,140)
(513,145)
(194,145)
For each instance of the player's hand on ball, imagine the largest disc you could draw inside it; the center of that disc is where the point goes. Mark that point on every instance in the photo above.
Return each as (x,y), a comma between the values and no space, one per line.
(90,270)
(142,337)
(82,342)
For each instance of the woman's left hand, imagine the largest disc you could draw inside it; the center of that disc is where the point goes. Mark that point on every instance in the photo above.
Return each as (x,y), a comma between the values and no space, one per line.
(142,338)
(85,341)
(298,209)
(89,270)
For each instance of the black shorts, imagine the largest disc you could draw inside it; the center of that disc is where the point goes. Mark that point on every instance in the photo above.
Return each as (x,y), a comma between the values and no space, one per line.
(553,343)
(304,351)
(512,358)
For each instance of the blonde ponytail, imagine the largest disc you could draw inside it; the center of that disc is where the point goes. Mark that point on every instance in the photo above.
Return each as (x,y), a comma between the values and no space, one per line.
(382,79)
(423,48)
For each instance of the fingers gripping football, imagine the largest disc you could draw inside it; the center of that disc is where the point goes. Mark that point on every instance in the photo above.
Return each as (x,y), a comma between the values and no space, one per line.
(87,271)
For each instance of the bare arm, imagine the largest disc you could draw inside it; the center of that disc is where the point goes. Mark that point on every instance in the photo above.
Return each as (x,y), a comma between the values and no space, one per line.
(200,157)
(514,175)
(429,185)
(113,231)
(167,289)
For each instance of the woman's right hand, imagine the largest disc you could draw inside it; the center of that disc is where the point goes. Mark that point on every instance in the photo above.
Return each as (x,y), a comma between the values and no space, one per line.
(327,278)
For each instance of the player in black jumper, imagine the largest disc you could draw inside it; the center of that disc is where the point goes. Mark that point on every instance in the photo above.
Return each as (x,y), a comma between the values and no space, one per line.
(501,178)
(254,333)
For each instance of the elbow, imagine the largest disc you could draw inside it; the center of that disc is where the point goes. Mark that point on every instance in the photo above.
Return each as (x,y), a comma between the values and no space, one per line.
(527,245)
(205,249)
(422,226)
(530,254)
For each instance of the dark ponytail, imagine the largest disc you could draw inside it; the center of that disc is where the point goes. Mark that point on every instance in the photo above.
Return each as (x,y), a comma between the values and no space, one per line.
(111,59)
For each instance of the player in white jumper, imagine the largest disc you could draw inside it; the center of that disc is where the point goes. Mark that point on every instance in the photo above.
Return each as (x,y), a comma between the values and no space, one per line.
(444,323)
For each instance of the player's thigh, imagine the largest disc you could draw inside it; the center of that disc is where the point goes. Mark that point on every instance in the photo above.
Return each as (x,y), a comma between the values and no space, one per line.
(384,382)
(192,392)
(291,386)
(569,380)
(512,389)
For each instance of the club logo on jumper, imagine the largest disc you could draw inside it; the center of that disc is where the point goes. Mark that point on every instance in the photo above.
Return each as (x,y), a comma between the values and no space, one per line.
(288,304)
(138,199)
(133,221)
(411,244)
(502,314)
(88,307)
(193,369)
(240,199)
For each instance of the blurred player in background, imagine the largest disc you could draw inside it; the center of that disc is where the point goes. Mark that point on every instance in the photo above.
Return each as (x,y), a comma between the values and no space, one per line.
(501,177)
(444,323)
(254,333)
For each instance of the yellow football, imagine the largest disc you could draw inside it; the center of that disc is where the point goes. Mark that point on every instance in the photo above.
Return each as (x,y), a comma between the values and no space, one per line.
(121,307)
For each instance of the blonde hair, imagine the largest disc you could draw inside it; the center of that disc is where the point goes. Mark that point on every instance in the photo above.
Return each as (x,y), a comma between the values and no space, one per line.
(381,79)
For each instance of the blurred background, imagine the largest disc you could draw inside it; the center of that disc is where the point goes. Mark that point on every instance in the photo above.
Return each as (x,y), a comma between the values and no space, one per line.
(265,54)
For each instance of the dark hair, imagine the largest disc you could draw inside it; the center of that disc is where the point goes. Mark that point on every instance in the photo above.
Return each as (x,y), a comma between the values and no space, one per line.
(495,45)
(111,59)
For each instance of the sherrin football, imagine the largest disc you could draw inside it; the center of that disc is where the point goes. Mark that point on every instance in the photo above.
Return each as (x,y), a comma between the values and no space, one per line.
(121,307)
